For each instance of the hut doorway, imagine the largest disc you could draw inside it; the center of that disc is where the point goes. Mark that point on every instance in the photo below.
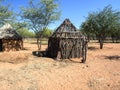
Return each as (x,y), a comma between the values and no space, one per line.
(1,45)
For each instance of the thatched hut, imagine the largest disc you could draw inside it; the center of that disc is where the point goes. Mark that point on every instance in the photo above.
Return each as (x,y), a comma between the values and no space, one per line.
(10,39)
(67,42)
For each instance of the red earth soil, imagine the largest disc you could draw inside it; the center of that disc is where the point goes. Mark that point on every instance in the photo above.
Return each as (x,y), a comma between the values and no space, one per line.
(20,70)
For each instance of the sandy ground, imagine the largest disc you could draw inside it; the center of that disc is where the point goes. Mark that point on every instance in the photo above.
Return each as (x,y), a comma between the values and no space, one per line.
(20,70)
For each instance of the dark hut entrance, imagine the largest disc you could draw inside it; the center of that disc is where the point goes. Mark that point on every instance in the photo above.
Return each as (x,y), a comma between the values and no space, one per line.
(67,42)
(1,45)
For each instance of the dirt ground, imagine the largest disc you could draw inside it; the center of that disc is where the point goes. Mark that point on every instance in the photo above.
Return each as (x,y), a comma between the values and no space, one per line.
(20,70)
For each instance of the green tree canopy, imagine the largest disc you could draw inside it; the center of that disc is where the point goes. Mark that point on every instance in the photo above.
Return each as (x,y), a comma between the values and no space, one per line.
(39,15)
(47,33)
(6,14)
(102,23)
(22,29)
(25,33)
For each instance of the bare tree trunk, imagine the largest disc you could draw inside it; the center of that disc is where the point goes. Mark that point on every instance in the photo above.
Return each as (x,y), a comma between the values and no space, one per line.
(116,39)
(88,38)
(39,42)
(101,42)
(113,40)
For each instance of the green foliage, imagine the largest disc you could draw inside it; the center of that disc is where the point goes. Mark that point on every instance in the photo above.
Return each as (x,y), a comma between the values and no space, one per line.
(102,23)
(21,28)
(25,33)
(6,15)
(39,15)
(87,28)
(115,33)
(19,25)
(47,33)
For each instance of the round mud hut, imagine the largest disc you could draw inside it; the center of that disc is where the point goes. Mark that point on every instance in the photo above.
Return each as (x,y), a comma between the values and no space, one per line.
(67,42)
(10,39)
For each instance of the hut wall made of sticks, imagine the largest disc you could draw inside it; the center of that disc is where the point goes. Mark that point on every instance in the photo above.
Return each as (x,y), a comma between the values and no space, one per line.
(11,45)
(67,42)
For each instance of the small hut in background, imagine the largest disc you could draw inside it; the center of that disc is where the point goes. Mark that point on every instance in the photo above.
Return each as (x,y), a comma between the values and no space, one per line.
(67,42)
(10,39)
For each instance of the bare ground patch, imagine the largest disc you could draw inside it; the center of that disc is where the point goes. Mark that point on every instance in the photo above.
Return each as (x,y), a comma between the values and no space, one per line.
(22,71)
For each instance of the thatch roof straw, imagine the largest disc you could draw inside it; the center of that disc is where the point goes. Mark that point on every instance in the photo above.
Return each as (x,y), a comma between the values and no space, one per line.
(66,28)
(7,32)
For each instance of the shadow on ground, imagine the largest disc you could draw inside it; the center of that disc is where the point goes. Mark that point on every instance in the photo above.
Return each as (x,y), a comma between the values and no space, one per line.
(113,57)
(39,43)
(73,61)
(44,54)
(25,49)
(40,53)
(92,48)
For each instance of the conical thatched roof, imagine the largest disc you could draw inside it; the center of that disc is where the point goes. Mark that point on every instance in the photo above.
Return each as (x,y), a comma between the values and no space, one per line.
(7,32)
(66,28)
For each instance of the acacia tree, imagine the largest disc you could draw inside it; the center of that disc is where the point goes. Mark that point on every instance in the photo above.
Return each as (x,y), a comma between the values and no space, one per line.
(6,14)
(102,23)
(87,28)
(47,33)
(39,15)
(115,33)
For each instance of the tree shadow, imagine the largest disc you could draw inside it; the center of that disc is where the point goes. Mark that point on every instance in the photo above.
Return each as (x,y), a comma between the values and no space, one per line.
(36,43)
(33,43)
(92,48)
(113,57)
(25,49)
(73,61)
